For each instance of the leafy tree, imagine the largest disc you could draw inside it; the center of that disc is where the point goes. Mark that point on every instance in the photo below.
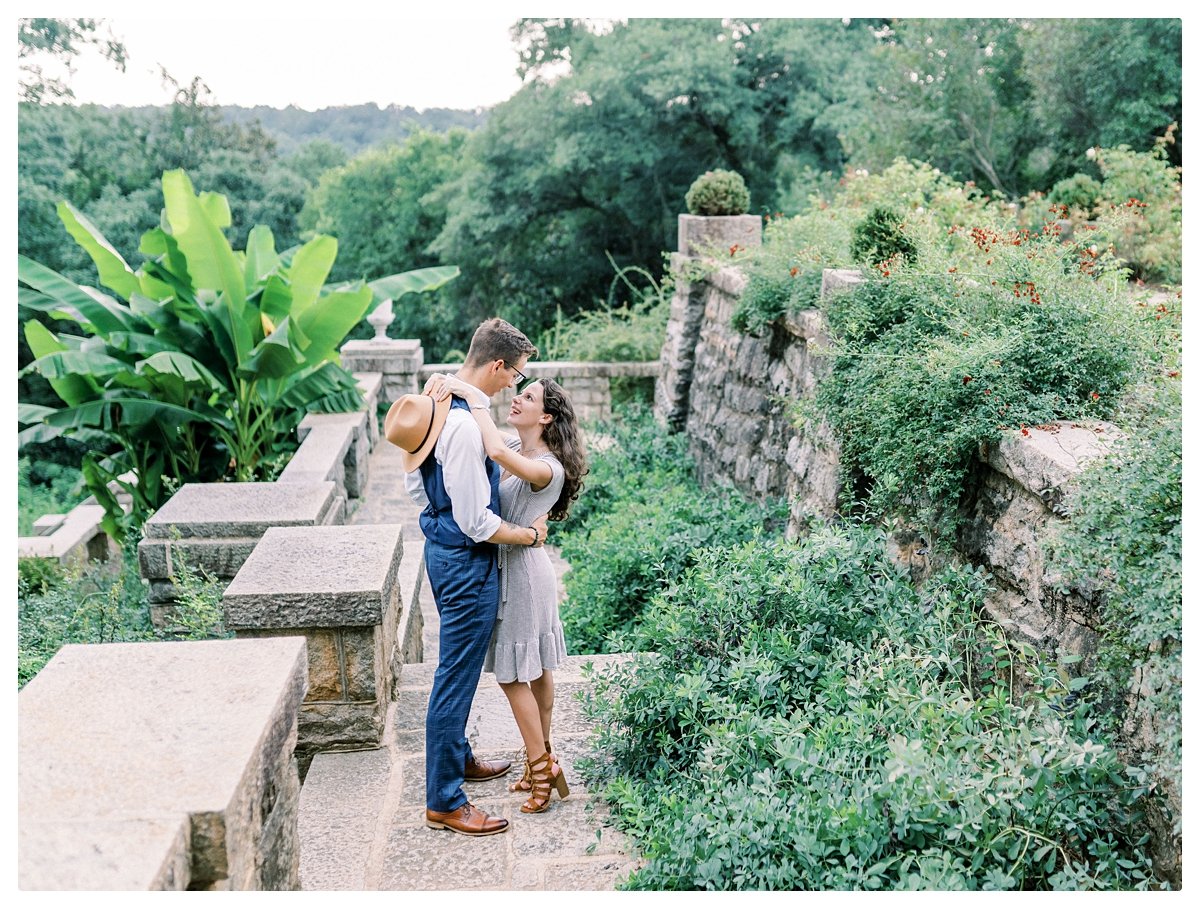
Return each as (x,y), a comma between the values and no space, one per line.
(1104,82)
(60,40)
(207,357)
(598,160)
(383,208)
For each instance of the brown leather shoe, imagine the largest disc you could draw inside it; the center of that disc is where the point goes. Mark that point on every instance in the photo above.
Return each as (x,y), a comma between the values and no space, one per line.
(467,820)
(484,770)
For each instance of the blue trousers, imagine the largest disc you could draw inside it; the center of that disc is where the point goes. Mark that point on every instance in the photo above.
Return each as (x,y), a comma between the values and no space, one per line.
(466,589)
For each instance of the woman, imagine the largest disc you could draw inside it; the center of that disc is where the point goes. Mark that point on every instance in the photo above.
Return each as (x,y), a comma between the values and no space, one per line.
(543,465)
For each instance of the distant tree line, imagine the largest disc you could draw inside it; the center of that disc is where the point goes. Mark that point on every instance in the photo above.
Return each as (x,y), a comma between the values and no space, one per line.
(588,163)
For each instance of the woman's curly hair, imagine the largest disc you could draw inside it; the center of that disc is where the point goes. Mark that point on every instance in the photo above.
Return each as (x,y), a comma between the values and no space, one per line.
(563,438)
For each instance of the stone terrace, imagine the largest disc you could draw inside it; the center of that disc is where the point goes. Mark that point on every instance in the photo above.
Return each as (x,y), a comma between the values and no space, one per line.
(362,823)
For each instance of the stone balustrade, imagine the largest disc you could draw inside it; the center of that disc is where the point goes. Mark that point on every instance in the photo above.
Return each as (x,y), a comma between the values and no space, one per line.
(340,587)
(213,527)
(589,384)
(77,537)
(161,766)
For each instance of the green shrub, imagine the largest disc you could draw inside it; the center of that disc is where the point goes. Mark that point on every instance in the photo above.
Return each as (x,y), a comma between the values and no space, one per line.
(101,603)
(96,604)
(880,237)
(1079,194)
(927,369)
(803,718)
(637,526)
(45,487)
(784,274)
(1146,182)
(718,192)
(1124,538)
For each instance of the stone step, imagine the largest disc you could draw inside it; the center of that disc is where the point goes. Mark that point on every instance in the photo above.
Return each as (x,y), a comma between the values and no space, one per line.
(362,813)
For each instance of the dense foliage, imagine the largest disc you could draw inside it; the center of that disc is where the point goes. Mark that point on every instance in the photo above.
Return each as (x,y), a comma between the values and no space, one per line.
(973,322)
(100,603)
(1124,540)
(802,718)
(45,487)
(205,360)
(638,526)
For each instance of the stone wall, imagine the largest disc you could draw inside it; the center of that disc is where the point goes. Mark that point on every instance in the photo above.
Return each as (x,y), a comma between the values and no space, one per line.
(747,407)
(589,384)
(161,766)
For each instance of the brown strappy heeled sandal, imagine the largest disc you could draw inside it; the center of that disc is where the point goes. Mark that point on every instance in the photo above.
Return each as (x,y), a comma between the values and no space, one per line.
(524,784)
(542,776)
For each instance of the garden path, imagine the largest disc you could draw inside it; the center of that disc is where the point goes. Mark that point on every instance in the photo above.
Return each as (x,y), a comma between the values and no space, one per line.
(362,813)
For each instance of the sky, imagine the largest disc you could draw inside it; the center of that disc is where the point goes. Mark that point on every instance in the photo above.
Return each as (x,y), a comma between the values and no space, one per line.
(458,61)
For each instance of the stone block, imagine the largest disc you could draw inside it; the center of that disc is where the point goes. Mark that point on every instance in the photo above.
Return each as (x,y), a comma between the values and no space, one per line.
(835,279)
(316,577)
(158,560)
(72,541)
(703,234)
(230,510)
(1045,460)
(47,524)
(362,650)
(161,765)
(339,725)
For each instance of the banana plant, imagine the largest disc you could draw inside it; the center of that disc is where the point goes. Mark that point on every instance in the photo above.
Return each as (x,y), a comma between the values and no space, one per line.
(198,364)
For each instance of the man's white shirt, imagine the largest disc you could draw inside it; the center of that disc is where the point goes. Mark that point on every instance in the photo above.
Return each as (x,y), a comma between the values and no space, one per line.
(459,449)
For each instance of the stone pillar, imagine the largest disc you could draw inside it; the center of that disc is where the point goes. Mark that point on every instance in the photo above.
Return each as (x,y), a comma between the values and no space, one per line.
(213,527)
(678,358)
(398,361)
(336,586)
(701,235)
(161,766)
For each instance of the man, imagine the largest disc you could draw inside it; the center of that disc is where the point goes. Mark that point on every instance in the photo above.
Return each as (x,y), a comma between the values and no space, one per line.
(459,489)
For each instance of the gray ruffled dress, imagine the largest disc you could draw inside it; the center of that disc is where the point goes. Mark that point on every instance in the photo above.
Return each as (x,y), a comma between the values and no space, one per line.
(528,637)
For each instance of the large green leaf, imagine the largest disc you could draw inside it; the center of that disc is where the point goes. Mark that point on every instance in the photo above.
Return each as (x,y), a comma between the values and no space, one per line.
(189,370)
(210,258)
(418,281)
(64,363)
(261,258)
(279,354)
(310,267)
(329,320)
(114,271)
(216,207)
(72,389)
(103,313)
(123,413)
(159,245)
(276,299)
(326,388)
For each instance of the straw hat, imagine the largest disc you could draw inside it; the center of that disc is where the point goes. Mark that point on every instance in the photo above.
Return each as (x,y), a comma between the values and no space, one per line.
(414,423)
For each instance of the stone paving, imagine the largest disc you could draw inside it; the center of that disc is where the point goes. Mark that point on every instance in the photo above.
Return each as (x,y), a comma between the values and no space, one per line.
(362,824)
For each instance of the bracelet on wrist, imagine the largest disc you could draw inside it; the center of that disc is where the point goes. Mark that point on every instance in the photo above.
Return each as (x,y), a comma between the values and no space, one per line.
(536,536)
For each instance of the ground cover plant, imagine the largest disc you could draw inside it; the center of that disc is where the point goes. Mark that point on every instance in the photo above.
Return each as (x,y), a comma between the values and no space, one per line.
(802,717)
(1124,542)
(104,602)
(638,527)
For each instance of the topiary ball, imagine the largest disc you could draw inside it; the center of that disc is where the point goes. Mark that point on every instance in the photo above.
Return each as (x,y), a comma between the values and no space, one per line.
(718,192)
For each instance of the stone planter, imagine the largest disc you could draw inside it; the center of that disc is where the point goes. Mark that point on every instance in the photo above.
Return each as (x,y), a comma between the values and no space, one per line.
(699,234)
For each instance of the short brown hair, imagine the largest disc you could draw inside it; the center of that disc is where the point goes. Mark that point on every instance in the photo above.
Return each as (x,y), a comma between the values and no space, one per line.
(495,339)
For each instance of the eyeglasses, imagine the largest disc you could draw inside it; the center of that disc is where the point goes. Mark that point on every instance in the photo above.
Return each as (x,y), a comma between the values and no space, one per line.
(521,378)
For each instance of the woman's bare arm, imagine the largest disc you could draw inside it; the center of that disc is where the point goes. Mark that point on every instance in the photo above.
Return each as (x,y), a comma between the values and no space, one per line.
(538,473)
